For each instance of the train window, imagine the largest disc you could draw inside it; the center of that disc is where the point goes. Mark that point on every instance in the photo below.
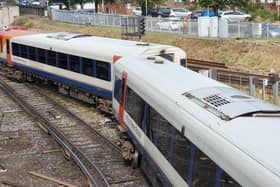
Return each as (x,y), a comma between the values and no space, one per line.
(23,51)
(51,58)
(169,56)
(74,63)
(117,89)
(41,55)
(224,180)
(180,154)
(8,46)
(183,62)
(161,132)
(15,49)
(134,106)
(102,70)
(32,53)
(87,66)
(62,60)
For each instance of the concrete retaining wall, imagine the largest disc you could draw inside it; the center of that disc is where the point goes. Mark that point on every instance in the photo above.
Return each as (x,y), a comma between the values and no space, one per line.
(8,15)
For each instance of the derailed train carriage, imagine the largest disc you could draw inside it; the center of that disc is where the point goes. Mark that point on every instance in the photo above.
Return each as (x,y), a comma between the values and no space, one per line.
(192,130)
(80,65)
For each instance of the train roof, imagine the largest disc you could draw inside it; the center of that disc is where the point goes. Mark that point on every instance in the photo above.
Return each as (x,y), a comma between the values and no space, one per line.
(246,122)
(88,46)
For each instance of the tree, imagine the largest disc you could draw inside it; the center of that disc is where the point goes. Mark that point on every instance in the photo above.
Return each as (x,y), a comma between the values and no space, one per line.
(221,4)
(150,4)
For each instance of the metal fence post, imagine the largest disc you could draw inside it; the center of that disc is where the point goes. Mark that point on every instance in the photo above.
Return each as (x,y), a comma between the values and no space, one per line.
(264,84)
(252,86)
(238,29)
(275,91)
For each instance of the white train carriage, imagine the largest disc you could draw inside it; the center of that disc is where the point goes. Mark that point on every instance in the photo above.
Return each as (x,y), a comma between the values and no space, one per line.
(195,131)
(81,61)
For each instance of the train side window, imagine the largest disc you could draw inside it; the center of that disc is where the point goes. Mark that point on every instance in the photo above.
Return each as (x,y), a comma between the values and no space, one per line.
(74,63)
(23,51)
(134,106)
(181,154)
(102,70)
(41,55)
(51,58)
(8,46)
(117,89)
(32,53)
(87,67)
(15,49)
(62,60)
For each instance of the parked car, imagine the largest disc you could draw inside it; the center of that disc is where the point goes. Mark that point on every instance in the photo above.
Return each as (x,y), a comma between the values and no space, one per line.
(137,11)
(170,24)
(233,16)
(160,12)
(198,13)
(35,3)
(180,12)
(269,30)
(57,5)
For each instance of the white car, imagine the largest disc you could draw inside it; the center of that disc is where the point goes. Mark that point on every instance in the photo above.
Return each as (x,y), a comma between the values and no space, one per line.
(170,24)
(137,11)
(36,3)
(233,16)
(180,12)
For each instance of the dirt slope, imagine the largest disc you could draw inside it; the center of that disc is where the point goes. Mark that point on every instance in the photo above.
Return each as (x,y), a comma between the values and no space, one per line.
(248,54)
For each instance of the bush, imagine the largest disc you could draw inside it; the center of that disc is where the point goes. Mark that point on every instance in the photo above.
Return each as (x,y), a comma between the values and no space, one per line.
(258,11)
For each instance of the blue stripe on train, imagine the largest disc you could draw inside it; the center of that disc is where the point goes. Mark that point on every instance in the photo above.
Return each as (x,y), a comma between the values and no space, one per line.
(95,90)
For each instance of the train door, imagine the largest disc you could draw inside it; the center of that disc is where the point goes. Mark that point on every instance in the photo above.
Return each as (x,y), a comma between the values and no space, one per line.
(1,49)
(123,98)
(8,51)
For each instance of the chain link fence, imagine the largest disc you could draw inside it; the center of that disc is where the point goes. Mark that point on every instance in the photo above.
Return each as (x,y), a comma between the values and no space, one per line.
(192,27)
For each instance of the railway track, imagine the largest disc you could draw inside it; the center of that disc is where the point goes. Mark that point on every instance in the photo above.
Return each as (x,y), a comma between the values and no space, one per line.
(97,157)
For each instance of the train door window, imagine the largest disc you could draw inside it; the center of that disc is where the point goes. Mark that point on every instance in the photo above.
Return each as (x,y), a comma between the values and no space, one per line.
(51,58)
(32,53)
(102,70)
(1,45)
(169,56)
(15,49)
(183,62)
(62,60)
(8,46)
(41,55)
(87,67)
(117,89)
(23,51)
(74,63)
(134,106)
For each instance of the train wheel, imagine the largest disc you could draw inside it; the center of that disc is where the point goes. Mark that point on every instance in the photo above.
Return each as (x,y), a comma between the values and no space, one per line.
(136,159)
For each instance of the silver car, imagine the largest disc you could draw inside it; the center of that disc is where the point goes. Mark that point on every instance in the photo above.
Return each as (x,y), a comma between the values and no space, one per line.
(234,16)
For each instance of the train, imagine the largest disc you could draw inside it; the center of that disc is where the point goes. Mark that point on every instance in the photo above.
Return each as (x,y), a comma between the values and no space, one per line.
(182,128)
(192,130)
(80,65)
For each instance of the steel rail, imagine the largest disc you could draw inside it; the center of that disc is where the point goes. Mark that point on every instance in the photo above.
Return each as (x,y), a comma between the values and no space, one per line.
(75,153)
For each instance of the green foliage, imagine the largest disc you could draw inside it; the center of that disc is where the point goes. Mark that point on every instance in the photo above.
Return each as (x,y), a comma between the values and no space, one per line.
(261,12)
(221,4)
(151,4)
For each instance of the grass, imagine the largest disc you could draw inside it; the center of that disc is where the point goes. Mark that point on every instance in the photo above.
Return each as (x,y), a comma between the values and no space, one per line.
(248,54)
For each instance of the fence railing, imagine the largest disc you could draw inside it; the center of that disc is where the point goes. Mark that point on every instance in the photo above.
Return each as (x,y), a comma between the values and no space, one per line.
(223,28)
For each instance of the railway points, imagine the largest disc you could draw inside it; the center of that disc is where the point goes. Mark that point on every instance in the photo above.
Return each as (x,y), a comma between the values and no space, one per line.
(95,155)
